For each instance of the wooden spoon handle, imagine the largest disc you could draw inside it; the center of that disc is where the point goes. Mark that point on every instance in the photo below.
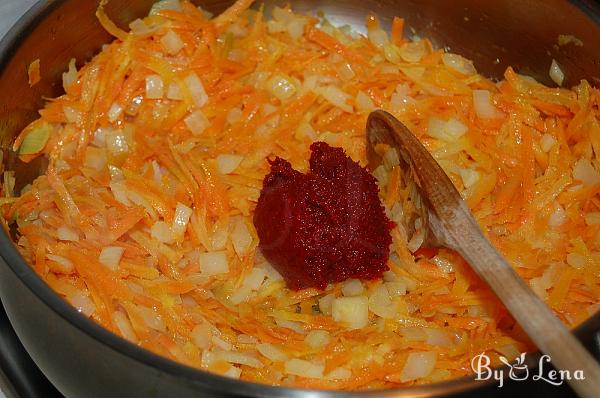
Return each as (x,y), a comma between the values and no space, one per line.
(454,226)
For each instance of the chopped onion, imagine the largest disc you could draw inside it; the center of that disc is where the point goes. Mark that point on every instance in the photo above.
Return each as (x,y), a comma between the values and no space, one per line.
(295,27)
(437,337)
(363,102)
(233,372)
(110,256)
(339,374)
(114,112)
(302,368)
(223,344)
(213,263)
(155,87)
(401,96)
(117,141)
(124,326)
(484,108)
(171,42)
(95,158)
(201,335)
(70,76)
(72,115)
(448,131)
(378,37)
(66,233)
(351,311)
(469,177)
(345,71)
(151,318)
(36,139)
(586,173)
(82,303)
(576,260)
(255,278)
(240,359)
(180,221)
(240,237)
(246,339)
(547,142)
(162,232)
(396,288)
(336,97)
(558,216)
(292,325)
(412,52)
(194,84)
(271,352)
(352,287)
(317,338)
(120,192)
(161,5)
(381,304)
(418,365)
(138,27)
(234,115)
(443,264)
(227,164)
(281,87)
(174,92)
(556,73)
(196,122)
(326,303)
(459,64)
(305,130)
(65,263)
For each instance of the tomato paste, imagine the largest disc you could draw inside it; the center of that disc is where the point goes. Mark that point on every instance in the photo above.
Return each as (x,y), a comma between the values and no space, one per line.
(324,226)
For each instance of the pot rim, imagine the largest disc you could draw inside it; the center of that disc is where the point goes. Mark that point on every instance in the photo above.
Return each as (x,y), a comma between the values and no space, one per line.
(9,45)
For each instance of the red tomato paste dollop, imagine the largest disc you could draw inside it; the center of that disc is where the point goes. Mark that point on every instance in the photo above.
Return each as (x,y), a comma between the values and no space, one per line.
(324,226)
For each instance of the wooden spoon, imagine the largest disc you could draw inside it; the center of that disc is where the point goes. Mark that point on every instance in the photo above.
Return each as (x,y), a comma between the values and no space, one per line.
(449,223)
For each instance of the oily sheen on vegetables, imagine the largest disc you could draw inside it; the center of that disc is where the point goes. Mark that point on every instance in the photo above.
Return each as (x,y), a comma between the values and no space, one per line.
(157,153)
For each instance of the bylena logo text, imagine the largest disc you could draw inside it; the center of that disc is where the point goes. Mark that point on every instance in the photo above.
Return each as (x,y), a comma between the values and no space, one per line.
(519,371)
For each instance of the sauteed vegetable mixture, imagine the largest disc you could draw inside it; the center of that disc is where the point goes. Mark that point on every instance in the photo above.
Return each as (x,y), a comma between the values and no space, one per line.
(158,151)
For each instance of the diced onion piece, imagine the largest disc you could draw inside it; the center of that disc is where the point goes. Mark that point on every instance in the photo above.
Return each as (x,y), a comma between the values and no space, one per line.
(120,192)
(255,278)
(110,256)
(271,352)
(448,131)
(162,232)
(233,372)
(339,374)
(151,318)
(161,5)
(378,37)
(196,122)
(292,325)
(281,87)
(240,295)
(317,338)
(345,71)
(66,233)
(363,102)
(214,263)
(412,52)
(592,218)
(352,287)
(459,64)
(586,173)
(556,73)
(65,263)
(443,264)
(95,158)
(484,108)
(469,177)
(181,220)
(70,76)
(171,42)
(241,237)
(82,303)
(240,359)
(576,260)
(36,138)
(418,365)
(114,112)
(336,97)
(437,337)
(305,130)
(547,142)
(139,27)
(155,87)
(326,303)
(174,92)
(381,304)
(351,311)
(226,163)
(302,368)
(296,27)
(201,335)
(124,326)
(234,115)
(116,141)
(396,288)
(558,216)
(194,84)
(223,344)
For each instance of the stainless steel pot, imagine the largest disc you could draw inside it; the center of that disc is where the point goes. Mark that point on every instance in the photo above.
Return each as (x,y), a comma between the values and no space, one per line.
(84,360)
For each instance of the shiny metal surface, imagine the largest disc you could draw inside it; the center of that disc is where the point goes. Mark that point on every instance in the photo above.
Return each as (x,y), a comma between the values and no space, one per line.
(495,34)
